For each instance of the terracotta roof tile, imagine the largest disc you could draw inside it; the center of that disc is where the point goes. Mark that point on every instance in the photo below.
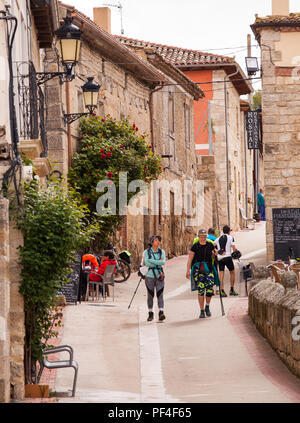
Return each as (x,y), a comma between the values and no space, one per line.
(292,18)
(176,55)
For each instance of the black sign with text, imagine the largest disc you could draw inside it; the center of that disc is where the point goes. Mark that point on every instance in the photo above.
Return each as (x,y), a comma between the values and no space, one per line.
(286,228)
(253,130)
(72,288)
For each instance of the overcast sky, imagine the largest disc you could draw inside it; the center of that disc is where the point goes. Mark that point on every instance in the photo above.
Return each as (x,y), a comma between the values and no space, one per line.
(218,26)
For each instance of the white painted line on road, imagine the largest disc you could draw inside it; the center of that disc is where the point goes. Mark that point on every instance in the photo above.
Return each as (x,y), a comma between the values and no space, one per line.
(178,291)
(152,383)
(254,253)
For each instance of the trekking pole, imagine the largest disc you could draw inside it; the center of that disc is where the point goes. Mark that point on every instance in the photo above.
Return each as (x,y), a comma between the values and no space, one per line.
(221,300)
(134,293)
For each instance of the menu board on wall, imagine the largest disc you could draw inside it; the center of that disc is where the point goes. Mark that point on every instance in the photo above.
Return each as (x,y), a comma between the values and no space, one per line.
(286,228)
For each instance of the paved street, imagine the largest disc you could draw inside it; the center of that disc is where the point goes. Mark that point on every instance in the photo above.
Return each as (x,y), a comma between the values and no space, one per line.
(123,358)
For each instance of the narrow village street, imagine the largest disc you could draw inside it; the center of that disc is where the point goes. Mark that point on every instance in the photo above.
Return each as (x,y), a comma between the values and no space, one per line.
(148,138)
(122,358)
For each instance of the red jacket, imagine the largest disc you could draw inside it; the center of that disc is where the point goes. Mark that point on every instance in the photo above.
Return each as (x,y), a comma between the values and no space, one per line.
(101,270)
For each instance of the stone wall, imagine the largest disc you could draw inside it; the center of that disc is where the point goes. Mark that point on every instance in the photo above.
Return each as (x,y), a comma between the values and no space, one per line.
(176,228)
(4,303)
(281,126)
(16,316)
(272,308)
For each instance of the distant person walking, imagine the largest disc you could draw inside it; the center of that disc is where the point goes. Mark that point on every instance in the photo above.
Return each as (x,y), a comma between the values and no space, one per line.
(225,245)
(154,258)
(200,270)
(211,235)
(261,204)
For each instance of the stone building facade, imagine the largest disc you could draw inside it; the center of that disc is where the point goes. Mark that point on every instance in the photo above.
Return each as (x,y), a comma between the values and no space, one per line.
(137,85)
(209,71)
(279,37)
(36,23)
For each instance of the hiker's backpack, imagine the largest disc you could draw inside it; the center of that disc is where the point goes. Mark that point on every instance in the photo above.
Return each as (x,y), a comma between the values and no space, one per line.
(222,242)
(143,270)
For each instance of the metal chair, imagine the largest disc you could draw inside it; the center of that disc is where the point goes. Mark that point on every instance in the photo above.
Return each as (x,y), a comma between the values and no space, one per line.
(59,364)
(246,219)
(107,279)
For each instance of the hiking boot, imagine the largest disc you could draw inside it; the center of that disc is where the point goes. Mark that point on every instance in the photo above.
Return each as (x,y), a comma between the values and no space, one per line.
(207,311)
(151,316)
(232,292)
(161,315)
(202,314)
(223,293)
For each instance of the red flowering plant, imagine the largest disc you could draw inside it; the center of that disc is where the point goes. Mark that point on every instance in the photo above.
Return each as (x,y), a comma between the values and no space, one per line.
(108,147)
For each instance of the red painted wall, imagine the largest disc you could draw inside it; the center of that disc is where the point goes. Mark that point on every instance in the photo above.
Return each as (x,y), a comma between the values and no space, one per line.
(201,106)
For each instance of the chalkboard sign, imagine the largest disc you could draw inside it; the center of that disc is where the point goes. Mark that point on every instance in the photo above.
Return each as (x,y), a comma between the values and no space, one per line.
(71,289)
(253,130)
(286,227)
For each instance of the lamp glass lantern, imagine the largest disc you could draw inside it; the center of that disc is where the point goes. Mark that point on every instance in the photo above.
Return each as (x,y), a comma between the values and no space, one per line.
(69,43)
(252,65)
(90,94)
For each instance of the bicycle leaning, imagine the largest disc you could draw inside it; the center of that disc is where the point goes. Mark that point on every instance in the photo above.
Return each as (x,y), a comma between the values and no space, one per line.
(123,269)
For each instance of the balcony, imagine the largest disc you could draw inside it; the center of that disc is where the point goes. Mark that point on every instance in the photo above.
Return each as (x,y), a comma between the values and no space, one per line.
(31,118)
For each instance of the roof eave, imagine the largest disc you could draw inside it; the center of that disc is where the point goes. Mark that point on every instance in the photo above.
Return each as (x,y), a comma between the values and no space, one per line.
(113,50)
(260,25)
(242,85)
(173,72)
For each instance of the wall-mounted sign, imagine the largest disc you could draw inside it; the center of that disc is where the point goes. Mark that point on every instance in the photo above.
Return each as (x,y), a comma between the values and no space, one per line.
(253,130)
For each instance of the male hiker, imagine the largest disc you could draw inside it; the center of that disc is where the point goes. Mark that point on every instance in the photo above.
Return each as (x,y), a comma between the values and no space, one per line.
(261,204)
(225,244)
(201,266)
(154,259)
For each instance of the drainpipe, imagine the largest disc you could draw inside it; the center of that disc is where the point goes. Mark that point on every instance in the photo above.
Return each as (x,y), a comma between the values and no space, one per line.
(227,147)
(152,136)
(151,113)
(69,137)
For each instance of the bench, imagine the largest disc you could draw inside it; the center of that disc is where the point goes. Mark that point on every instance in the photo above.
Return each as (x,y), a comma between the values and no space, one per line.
(246,219)
(59,364)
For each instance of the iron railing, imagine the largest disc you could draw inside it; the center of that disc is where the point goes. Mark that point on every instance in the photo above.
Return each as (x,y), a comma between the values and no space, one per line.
(31,105)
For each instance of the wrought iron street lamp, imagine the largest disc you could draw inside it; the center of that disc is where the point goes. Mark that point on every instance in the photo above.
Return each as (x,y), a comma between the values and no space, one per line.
(90,93)
(252,65)
(69,43)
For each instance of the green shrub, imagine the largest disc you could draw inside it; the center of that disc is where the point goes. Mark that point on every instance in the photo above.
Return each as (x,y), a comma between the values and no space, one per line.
(54,227)
(108,147)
